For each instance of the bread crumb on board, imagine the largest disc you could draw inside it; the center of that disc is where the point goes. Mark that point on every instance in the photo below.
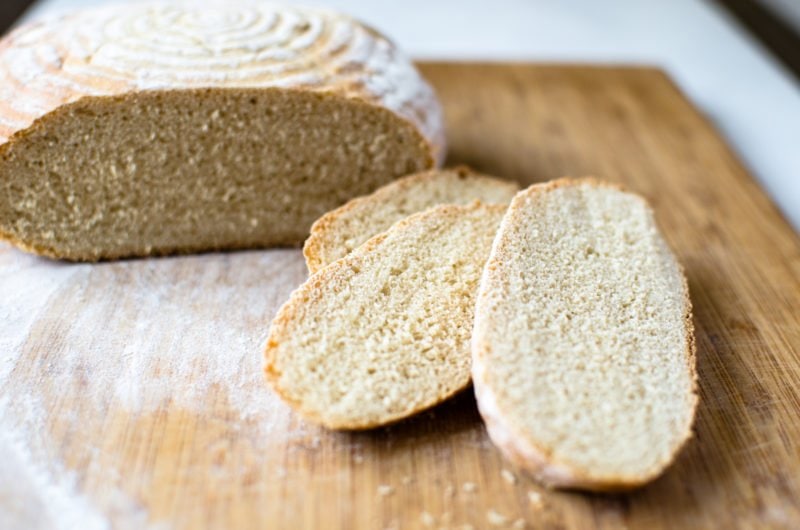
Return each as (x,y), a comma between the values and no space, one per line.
(496,518)
(519,524)
(427,519)
(535,498)
(469,487)
(508,476)
(384,490)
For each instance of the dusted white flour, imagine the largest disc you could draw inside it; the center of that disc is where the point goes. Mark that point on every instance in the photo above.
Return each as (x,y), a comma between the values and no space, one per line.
(129,339)
(150,46)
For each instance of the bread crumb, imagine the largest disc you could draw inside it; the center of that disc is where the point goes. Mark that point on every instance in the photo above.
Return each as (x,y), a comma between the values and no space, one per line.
(384,490)
(358,459)
(519,524)
(536,498)
(508,476)
(427,519)
(407,480)
(280,472)
(469,487)
(496,519)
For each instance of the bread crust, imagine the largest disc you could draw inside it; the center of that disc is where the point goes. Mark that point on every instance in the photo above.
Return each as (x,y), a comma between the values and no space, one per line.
(280,330)
(512,442)
(322,229)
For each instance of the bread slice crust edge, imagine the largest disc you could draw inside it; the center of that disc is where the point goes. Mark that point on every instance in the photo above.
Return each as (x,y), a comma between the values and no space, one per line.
(314,247)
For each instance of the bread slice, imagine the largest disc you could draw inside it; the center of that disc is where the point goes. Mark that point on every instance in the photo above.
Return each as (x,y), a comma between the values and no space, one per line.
(338,232)
(148,129)
(384,332)
(583,347)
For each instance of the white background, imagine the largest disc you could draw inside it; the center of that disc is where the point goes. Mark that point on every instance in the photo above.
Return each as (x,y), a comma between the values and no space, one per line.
(747,94)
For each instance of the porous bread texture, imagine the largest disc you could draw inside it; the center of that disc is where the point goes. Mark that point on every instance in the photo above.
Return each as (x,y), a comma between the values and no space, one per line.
(148,129)
(192,170)
(384,332)
(583,345)
(338,232)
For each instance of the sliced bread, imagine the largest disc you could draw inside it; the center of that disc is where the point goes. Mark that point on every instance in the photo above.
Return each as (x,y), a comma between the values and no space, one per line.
(384,332)
(338,232)
(583,346)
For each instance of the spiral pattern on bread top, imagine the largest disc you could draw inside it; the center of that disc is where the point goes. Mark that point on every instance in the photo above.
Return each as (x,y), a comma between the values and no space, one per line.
(127,48)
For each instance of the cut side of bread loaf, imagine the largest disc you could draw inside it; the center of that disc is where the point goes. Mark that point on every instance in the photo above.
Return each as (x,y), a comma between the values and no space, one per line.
(384,332)
(583,346)
(148,129)
(340,231)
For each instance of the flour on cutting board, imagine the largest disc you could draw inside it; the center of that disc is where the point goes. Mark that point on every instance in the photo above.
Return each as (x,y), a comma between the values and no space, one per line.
(146,332)
(26,283)
(134,338)
(35,497)
(182,341)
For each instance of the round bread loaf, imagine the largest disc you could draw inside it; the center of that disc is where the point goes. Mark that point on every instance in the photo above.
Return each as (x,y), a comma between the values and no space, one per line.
(153,129)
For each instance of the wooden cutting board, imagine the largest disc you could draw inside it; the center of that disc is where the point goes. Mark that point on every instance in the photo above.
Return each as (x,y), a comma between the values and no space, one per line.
(131,393)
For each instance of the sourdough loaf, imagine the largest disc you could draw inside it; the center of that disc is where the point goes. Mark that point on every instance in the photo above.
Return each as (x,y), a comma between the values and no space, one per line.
(148,129)
(384,332)
(338,232)
(583,346)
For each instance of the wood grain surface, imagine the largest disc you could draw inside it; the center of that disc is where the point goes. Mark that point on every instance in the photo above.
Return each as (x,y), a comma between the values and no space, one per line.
(131,394)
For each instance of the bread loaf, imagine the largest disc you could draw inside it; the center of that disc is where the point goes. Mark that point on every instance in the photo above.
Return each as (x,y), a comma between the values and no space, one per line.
(384,332)
(338,232)
(583,348)
(134,130)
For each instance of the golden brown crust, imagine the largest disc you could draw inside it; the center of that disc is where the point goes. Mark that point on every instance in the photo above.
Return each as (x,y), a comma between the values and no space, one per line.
(518,447)
(340,271)
(321,230)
